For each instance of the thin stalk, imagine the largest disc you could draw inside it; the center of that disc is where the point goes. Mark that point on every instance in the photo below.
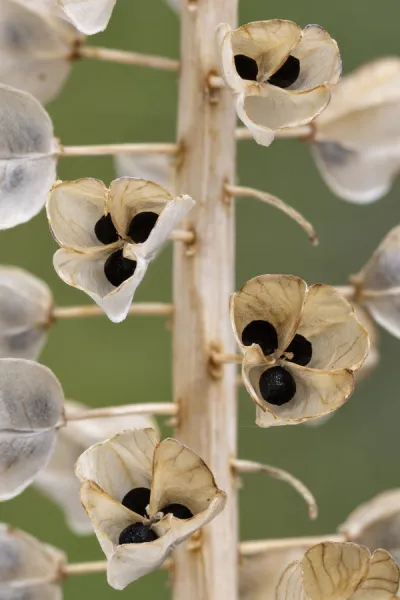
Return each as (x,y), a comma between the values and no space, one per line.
(203,282)
(182,235)
(247,192)
(128,58)
(90,568)
(149,408)
(256,546)
(249,466)
(112,149)
(139,309)
(394,291)
(303,132)
(84,568)
(220,358)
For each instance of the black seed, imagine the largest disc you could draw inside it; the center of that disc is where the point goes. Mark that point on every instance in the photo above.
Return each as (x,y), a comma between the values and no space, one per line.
(262,333)
(137,500)
(246,67)
(302,350)
(277,386)
(137,534)
(118,269)
(287,74)
(141,226)
(105,230)
(178,510)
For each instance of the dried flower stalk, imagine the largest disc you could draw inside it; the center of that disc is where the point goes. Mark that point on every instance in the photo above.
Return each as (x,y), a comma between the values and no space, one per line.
(203,281)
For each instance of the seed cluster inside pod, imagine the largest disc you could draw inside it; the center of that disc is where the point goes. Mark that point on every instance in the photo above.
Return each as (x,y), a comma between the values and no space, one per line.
(118,268)
(284,77)
(277,385)
(138,500)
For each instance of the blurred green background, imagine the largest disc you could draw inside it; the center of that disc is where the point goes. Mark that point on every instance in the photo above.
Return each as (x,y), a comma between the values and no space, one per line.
(344,462)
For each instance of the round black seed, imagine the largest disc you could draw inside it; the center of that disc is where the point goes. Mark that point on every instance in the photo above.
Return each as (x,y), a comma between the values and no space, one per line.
(137,500)
(105,230)
(118,269)
(141,226)
(137,534)
(302,350)
(277,386)
(287,74)
(178,510)
(262,333)
(246,67)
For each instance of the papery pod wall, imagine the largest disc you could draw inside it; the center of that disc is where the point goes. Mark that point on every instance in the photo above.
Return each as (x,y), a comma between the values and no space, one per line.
(345,461)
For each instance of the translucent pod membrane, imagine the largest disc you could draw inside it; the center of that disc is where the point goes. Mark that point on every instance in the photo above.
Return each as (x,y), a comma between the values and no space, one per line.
(29,568)
(32,409)
(356,140)
(27,157)
(36,45)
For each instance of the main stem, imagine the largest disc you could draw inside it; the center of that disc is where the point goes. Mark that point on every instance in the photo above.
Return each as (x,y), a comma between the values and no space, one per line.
(203,282)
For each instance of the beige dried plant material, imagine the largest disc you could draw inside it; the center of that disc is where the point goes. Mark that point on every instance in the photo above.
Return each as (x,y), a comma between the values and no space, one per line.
(340,571)
(36,47)
(58,480)
(27,157)
(357,138)
(180,497)
(28,569)
(279,72)
(301,347)
(377,286)
(376,523)
(31,409)
(109,236)
(26,305)
(260,571)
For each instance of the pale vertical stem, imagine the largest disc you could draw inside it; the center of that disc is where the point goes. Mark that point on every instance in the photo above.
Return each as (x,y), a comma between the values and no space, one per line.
(203,282)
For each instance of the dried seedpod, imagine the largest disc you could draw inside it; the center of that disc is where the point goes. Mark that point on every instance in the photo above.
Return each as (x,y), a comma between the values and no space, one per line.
(29,570)
(27,157)
(260,570)
(340,571)
(302,346)
(153,167)
(58,480)
(357,138)
(377,285)
(144,497)
(280,73)
(108,236)
(31,410)
(26,305)
(376,523)
(36,47)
